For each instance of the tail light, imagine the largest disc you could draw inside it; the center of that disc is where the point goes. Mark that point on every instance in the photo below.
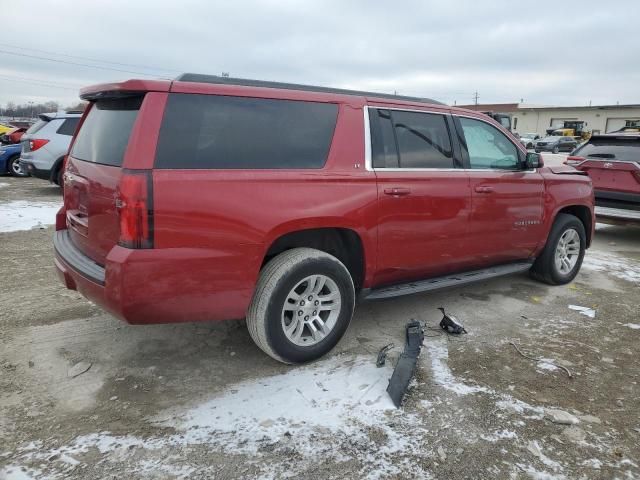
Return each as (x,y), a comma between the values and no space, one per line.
(37,143)
(573,160)
(134,203)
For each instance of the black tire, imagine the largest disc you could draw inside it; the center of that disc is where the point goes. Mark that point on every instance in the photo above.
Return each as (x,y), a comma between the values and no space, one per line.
(545,269)
(13,170)
(277,279)
(555,150)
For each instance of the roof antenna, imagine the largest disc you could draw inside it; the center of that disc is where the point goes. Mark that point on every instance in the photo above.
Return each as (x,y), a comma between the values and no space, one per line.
(225,74)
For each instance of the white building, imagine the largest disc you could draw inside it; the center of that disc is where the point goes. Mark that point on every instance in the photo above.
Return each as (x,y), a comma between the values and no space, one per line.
(536,119)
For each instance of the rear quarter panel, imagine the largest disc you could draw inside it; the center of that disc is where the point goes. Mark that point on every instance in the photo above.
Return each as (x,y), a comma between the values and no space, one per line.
(231,217)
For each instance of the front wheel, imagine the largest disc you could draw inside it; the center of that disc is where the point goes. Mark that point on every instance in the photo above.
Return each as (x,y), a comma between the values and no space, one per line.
(560,261)
(302,305)
(14,167)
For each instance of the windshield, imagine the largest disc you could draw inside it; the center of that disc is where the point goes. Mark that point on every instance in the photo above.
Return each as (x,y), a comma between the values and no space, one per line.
(551,139)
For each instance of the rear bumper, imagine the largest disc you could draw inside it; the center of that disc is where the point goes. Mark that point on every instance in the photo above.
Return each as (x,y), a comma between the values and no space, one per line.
(29,167)
(161,285)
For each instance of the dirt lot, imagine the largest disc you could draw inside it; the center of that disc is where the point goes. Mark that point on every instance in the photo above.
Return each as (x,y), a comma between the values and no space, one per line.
(201,401)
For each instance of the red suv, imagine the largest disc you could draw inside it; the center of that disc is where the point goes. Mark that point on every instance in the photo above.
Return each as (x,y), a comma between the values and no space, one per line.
(613,163)
(209,198)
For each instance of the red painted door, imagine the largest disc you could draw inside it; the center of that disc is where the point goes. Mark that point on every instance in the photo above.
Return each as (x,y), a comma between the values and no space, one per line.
(507,200)
(423,201)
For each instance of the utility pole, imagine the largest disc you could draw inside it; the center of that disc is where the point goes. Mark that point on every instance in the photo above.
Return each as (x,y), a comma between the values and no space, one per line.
(475,97)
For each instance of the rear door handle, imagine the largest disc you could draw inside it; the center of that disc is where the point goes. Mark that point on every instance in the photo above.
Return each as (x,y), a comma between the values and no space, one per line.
(483,189)
(397,191)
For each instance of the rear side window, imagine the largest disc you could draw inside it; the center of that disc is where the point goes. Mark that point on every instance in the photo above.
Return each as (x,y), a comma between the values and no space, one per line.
(104,135)
(409,140)
(222,132)
(36,126)
(423,140)
(68,127)
(613,149)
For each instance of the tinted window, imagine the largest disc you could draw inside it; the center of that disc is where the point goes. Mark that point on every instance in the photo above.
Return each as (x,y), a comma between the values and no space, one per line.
(68,127)
(487,146)
(104,135)
(210,131)
(384,150)
(423,140)
(613,149)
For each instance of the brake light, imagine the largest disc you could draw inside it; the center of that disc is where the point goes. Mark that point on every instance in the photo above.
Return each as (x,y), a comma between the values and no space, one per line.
(37,143)
(573,160)
(134,203)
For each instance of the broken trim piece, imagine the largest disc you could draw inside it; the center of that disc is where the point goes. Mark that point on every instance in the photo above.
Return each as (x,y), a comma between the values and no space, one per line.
(406,365)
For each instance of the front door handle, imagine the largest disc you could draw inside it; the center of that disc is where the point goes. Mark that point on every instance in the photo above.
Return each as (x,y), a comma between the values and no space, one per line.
(397,191)
(483,189)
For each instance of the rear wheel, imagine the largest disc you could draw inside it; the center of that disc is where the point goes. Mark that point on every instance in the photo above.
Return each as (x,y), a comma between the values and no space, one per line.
(562,256)
(302,305)
(14,167)
(555,149)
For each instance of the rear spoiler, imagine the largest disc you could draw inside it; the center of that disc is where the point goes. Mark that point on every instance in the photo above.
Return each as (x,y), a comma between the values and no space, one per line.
(123,89)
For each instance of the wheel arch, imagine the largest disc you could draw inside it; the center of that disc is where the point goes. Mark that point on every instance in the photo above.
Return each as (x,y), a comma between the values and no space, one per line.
(57,165)
(583,213)
(344,243)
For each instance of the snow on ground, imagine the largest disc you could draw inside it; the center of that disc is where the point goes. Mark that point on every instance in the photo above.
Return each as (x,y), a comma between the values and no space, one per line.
(25,215)
(3,184)
(634,326)
(618,266)
(340,397)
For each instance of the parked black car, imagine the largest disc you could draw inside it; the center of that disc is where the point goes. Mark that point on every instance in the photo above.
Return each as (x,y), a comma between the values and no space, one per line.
(556,144)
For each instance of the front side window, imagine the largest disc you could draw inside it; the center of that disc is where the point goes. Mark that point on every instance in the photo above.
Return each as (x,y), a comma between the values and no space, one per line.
(224,132)
(423,140)
(488,148)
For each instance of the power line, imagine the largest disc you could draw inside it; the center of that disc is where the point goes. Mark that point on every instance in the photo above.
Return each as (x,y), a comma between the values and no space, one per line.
(79,64)
(36,82)
(90,59)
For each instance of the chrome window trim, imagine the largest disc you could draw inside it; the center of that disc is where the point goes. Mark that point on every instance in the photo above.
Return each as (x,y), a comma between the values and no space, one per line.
(367,146)
(367,141)
(368,163)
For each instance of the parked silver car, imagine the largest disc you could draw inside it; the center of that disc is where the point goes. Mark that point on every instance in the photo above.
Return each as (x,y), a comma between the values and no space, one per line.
(46,143)
(529,139)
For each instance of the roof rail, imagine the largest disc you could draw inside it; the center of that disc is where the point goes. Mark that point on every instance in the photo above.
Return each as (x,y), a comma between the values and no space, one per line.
(244,82)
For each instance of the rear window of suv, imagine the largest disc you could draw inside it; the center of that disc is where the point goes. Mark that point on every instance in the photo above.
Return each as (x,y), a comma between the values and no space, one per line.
(224,132)
(104,135)
(621,149)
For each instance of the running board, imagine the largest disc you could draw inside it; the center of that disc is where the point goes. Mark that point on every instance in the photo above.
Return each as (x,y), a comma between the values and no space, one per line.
(447,281)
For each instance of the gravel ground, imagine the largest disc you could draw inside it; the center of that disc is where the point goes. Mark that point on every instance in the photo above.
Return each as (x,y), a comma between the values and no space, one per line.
(83,395)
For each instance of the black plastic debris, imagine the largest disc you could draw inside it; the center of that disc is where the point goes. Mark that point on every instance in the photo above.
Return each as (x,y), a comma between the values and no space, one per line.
(451,324)
(406,365)
(382,355)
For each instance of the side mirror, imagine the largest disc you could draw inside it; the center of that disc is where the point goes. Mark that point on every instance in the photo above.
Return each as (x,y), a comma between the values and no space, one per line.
(533,160)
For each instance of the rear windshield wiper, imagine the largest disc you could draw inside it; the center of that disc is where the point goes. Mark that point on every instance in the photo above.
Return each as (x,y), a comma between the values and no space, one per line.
(602,155)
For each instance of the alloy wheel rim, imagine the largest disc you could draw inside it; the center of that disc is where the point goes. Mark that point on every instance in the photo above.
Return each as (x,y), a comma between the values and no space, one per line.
(15,167)
(567,251)
(311,310)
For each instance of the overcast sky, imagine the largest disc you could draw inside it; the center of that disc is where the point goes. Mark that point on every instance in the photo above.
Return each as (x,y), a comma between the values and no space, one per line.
(545,52)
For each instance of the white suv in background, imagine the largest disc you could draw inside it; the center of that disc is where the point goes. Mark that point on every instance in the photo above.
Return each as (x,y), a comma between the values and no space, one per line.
(46,143)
